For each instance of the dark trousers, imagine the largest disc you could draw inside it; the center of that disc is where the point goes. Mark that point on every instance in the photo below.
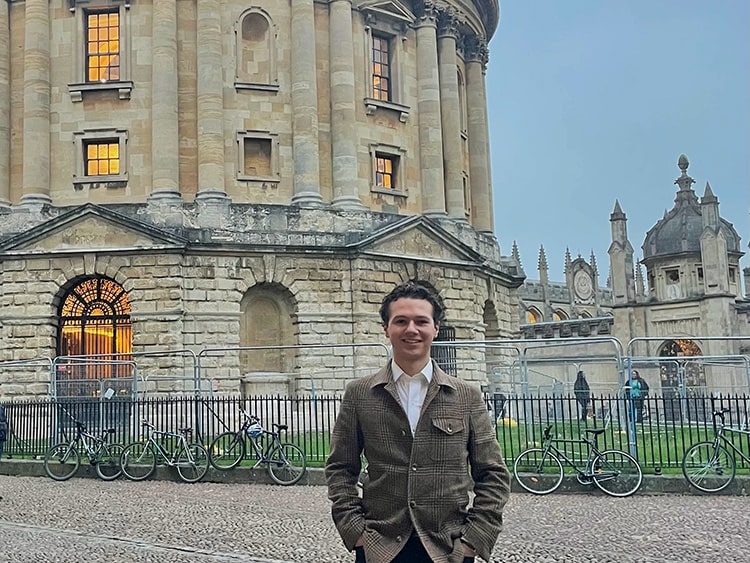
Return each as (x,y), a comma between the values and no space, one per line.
(413,552)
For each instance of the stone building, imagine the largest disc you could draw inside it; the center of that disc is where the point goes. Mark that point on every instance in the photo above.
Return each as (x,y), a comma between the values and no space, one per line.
(689,303)
(189,175)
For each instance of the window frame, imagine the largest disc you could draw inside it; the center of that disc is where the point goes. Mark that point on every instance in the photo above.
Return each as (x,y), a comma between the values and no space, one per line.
(398,159)
(81,139)
(381,26)
(273,138)
(81,85)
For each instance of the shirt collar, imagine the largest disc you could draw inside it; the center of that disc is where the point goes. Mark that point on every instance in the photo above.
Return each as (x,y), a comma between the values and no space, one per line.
(426,371)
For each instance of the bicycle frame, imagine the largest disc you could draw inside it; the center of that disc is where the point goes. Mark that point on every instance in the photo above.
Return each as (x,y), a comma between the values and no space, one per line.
(720,437)
(593,451)
(169,457)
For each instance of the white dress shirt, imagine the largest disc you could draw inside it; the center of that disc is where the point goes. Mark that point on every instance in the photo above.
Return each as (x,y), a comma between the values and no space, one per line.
(412,390)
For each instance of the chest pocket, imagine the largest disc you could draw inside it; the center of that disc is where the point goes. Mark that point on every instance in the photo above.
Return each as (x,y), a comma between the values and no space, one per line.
(449,439)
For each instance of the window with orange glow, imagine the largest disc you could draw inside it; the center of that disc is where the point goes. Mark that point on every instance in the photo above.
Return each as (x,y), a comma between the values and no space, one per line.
(95,321)
(381,68)
(103,46)
(102,158)
(385,169)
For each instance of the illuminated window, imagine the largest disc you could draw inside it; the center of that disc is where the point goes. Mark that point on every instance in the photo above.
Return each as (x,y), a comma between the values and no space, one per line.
(381,68)
(102,46)
(100,58)
(533,316)
(101,157)
(384,171)
(387,169)
(94,321)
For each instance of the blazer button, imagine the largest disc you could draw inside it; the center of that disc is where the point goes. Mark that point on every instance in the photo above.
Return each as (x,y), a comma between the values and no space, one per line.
(413,503)
(403,432)
(398,539)
(414,467)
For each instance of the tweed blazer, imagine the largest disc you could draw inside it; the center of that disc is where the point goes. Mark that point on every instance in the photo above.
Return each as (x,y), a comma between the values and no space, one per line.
(420,483)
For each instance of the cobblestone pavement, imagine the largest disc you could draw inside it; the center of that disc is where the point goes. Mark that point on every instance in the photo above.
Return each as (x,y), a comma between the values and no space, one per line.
(162,521)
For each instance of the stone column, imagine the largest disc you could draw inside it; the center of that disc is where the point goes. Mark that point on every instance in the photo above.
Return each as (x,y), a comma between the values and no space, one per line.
(36,105)
(305,107)
(428,106)
(210,101)
(4,106)
(165,145)
(450,112)
(479,149)
(343,116)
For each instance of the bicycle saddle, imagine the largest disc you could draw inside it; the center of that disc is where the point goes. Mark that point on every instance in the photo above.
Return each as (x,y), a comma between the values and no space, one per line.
(185,430)
(595,431)
(280,427)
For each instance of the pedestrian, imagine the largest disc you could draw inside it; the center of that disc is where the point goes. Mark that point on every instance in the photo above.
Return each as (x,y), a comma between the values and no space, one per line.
(582,392)
(638,393)
(428,443)
(3,429)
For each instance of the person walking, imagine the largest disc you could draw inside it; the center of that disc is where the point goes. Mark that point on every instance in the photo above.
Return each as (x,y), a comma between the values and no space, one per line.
(638,393)
(3,429)
(582,392)
(428,442)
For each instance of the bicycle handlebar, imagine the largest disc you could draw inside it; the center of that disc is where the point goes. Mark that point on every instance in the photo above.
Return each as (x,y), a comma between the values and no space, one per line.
(721,413)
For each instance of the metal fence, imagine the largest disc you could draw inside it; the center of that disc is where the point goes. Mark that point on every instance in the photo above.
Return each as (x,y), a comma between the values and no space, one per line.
(658,441)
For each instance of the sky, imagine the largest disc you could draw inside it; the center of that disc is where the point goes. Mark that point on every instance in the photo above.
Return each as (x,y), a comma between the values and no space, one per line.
(593,101)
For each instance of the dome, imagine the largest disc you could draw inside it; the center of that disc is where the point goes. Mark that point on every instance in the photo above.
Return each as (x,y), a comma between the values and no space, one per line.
(679,231)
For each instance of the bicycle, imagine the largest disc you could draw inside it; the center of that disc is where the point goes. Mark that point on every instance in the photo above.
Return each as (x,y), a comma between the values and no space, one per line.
(285,462)
(62,460)
(540,471)
(710,466)
(139,459)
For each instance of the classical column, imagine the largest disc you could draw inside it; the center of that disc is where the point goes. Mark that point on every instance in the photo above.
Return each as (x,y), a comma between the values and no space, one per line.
(305,107)
(479,149)
(210,101)
(343,128)
(450,112)
(36,105)
(428,106)
(165,146)
(4,106)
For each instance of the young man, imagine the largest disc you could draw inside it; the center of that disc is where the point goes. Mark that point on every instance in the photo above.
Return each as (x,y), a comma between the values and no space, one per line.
(428,441)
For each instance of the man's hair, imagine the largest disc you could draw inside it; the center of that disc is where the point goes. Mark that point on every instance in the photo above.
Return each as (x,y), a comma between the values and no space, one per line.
(413,289)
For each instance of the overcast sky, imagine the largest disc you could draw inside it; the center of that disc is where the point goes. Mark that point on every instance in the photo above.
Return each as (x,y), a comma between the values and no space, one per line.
(592,101)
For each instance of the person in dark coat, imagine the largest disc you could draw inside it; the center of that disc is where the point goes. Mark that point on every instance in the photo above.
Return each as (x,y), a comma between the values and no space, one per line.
(583,394)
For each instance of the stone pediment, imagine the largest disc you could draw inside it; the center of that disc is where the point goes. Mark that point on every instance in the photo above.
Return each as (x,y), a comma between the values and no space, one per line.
(89,228)
(389,8)
(420,239)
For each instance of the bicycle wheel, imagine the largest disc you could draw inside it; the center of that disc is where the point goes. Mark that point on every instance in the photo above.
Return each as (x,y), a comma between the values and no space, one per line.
(138,461)
(286,464)
(192,463)
(538,471)
(108,463)
(617,473)
(227,450)
(709,468)
(61,461)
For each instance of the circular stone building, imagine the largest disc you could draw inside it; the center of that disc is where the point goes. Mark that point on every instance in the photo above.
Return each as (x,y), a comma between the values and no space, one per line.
(176,176)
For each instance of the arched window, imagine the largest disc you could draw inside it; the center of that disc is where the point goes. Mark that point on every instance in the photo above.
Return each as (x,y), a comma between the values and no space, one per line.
(95,321)
(559,315)
(533,315)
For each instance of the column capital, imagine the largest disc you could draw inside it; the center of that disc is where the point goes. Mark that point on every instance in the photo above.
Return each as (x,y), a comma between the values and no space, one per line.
(448,22)
(427,13)
(476,49)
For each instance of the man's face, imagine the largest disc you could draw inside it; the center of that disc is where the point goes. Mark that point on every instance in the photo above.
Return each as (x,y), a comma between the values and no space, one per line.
(411,329)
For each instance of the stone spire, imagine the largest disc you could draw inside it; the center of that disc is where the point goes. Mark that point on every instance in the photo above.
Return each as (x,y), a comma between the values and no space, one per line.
(684,181)
(568,261)
(710,209)
(621,258)
(639,287)
(516,255)
(594,267)
(543,268)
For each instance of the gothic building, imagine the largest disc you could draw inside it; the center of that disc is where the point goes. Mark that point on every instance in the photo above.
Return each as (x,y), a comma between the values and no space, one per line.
(689,303)
(189,175)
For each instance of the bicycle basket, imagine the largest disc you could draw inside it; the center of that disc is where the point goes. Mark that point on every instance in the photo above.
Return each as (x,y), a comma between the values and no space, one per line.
(254,430)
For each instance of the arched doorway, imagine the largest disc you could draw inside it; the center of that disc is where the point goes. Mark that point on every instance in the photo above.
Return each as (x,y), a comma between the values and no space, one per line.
(681,379)
(95,322)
